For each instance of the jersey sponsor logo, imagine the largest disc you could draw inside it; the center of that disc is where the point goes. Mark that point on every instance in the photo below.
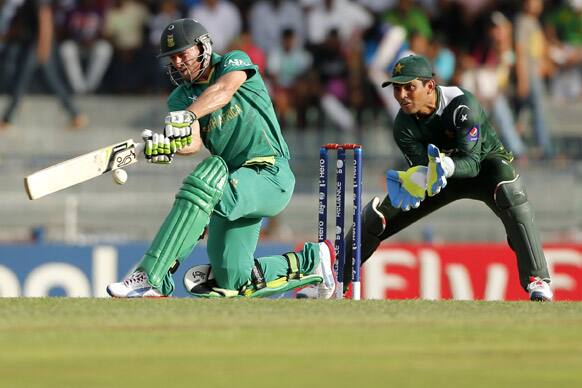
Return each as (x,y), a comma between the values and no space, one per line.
(473,134)
(236,63)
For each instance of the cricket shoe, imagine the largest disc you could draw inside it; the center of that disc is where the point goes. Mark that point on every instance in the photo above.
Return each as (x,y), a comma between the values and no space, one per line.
(308,292)
(134,285)
(539,290)
(326,288)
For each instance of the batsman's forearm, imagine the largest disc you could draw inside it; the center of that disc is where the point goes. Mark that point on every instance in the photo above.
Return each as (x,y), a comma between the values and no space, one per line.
(213,98)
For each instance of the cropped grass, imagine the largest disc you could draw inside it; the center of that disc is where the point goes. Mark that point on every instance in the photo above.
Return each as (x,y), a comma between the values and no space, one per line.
(64,342)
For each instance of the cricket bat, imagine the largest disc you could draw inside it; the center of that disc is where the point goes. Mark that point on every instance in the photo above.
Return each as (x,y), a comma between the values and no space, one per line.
(82,168)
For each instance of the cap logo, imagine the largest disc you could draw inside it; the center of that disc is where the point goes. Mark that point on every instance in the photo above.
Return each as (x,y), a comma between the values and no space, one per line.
(398,68)
(170,40)
(170,27)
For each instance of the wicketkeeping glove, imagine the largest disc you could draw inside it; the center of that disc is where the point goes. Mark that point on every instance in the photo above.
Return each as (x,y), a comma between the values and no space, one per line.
(436,178)
(158,148)
(178,128)
(406,189)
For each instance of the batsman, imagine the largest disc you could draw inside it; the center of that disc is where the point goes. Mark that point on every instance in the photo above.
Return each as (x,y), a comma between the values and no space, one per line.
(454,153)
(222,103)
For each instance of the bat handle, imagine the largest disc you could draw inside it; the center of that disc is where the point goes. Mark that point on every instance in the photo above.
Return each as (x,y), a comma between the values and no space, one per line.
(139,148)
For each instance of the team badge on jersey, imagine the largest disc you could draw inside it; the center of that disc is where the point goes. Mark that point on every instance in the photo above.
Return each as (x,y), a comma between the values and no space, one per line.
(473,134)
(462,117)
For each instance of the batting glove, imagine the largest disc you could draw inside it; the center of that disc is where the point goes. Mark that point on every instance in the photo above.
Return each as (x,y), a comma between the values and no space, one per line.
(158,148)
(439,168)
(178,128)
(406,189)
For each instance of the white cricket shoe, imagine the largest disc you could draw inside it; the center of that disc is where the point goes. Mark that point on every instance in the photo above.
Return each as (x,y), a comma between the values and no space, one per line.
(539,290)
(325,269)
(134,286)
(308,292)
(326,288)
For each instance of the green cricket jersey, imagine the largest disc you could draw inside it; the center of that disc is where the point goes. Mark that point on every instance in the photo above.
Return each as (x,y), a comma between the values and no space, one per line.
(459,128)
(245,131)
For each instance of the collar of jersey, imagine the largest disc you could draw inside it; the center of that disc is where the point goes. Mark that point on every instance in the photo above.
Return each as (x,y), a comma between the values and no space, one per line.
(214,59)
(207,80)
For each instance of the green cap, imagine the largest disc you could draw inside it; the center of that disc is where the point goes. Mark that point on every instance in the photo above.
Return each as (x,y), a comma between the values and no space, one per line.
(408,69)
(180,35)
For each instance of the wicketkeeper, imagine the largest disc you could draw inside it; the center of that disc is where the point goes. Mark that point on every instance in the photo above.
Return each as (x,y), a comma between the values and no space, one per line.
(453,152)
(221,102)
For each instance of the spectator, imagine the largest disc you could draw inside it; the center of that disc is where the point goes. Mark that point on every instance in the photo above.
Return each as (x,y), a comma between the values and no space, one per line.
(392,46)
(223,20)
(166,12)
(30,37)
(348,18)
(332,67)
(8,52)
(84,42)
(442,58)
(268,19)
(456,34)
(246,43)
(470,20)
(564,31)
(288,64)
(411,17)
(377,6)
(124,26)
(487,75)
(531,49)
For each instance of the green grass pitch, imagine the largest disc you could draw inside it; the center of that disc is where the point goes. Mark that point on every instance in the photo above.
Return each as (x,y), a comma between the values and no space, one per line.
(64,342)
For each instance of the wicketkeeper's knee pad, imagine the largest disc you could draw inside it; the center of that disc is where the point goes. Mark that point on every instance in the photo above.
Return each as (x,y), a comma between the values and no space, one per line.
(194,203)
(518,218)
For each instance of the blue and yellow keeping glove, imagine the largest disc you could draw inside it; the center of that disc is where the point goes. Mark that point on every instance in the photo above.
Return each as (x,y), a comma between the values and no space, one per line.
(439,168)
(406,189)
(158,148)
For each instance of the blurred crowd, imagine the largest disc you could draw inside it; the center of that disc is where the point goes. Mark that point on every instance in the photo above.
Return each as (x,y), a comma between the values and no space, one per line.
(329,55)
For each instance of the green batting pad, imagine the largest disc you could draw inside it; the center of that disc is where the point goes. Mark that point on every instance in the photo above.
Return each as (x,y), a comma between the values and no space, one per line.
(277,286)
(190,214)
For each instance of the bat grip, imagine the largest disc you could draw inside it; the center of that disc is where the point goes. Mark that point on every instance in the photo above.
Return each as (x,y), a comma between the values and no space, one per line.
(139,148)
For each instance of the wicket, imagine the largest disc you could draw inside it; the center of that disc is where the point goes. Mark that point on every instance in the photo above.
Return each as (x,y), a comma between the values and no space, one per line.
(340,210)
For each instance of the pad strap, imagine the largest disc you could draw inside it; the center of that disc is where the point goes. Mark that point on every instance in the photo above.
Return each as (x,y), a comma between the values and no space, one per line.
(294,269)
(257,276)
